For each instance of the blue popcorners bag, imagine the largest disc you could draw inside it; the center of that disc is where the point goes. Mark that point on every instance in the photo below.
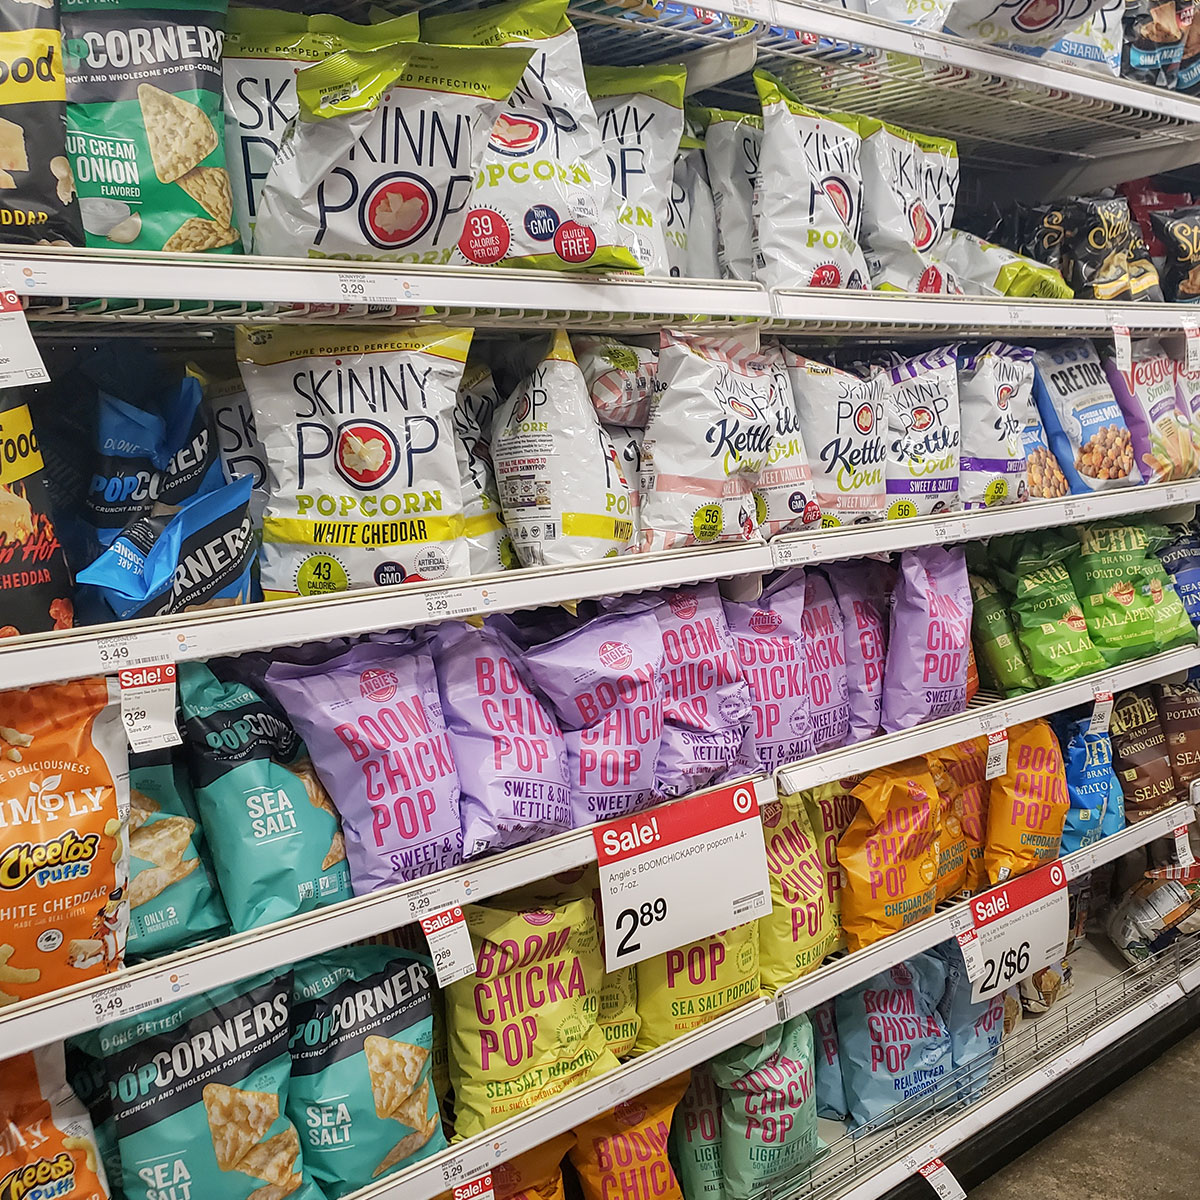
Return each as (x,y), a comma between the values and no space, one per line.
(1091,783)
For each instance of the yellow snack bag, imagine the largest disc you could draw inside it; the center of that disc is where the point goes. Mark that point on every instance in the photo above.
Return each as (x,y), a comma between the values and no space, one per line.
(890,853)
(523,1028)
(801,928)
(966,764)
(687,987)
(831,808)
(1027,805)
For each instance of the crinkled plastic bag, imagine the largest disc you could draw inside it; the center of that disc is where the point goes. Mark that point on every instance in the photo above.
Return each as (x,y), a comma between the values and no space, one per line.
(1181,560)
(995,639)
(696,1138)
(692,241)
(921,14)
(732,149)
(1151,915)
(1162,444)
(784,498)
(995,386)
(924,431)
(966,765)
(1091,781)
(1001,23)
(1140,757)
(1107,573)
(863,590)
(982,268)
(536,1173)
(975,1028)
(831,1093)
(489,547)
(824,655)
(1179,715)
(620,378)
(831,807)
(953,841)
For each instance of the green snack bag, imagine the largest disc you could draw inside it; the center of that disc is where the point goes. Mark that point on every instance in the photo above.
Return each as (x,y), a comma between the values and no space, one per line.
(173,900)
(695,1147)
(89,1081)
(997,649)
(145,123)
(198,1093)
(768,1108)
(362,1057)
(1172,626)
(276,843)
(1106,569)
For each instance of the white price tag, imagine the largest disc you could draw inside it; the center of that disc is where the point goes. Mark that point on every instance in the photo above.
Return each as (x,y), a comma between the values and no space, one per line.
(132,996)
(990,721)
(438,897)
(458,602)
(1102,707)
(449,945)
(135,650)
(787,554)
(1022,927)
(479,1188)
(20,361)
(1191,337)
(1123,348)
(1183,848)
(695,867)
(997,755)
(1080,863)
(148,707)
(941,1179)
(972,953)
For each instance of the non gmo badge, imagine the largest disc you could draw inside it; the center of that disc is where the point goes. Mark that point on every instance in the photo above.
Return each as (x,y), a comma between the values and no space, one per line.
(388,573)
(541,222)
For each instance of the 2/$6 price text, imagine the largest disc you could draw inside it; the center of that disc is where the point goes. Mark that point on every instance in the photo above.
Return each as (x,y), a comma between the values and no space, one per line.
(1006,968)
(632,919)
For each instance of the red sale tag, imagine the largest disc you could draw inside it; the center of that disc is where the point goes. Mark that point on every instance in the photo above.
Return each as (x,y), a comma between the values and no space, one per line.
(148,707)
(477,1189)
(449,945)
(942,1180)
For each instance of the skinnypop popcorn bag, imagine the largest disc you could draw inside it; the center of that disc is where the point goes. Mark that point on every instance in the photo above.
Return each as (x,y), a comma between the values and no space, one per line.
(732,148)
(995,386)
(784,498)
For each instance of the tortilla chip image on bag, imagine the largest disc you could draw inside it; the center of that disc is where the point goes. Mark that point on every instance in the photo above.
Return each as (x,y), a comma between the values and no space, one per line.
(360,1091)
(64,798)
(146,126)
(732,150)
(199,1091)
(381,160)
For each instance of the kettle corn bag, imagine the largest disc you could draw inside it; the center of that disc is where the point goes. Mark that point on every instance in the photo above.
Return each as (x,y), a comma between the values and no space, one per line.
(64,797)
(784,497)
(981,268)
(889,855)
(489,548)
(620,378)
(1140,757)
(523,1028)
(424,113)
(995,639)
(277,847)
(373,723)
(361,1050)
(831,807)
(808,197)
(831,1093)
(696,1138)
(640,110)
(732,149)
(1107,573)
(1027,805)
(1148,398)
(542,195)
(995,386)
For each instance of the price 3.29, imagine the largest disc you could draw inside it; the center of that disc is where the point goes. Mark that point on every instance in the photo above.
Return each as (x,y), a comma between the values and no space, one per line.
(630,920)
(1006,968)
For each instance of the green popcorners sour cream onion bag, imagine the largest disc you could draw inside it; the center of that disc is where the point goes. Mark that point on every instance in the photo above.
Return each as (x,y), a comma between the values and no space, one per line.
(640,110)
(732,145)
(198,1093)
(364,479)
(145,128)
(542,195)
(381,159)
(264,48)
(362,1042)
(808,200)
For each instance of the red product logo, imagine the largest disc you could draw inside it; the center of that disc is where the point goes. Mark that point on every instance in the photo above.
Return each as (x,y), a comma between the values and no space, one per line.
(826,275)
(922,226)
(922,418)
(1148,372)
(538,916)
(615,655)
(630,1112)
(1037,15)
(763,620)
(683,604)
(378,685)
(574,243)
(864,419)
(398,210)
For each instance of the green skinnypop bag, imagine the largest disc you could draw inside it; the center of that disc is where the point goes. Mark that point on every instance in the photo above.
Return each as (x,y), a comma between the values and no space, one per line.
(362,1042)
(276,843)
(198,1092)
(1106,571)
(173,899)
(768,1108)
(997,649)
(145,123)
(695,1148)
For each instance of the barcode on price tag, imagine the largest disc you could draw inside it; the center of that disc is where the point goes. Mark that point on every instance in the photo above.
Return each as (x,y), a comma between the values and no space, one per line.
(449,945)
(942,1180)
(1183,848)
(997,755)
(460,602)
(148,707)
(1102,708)
(135,650)
(134,996)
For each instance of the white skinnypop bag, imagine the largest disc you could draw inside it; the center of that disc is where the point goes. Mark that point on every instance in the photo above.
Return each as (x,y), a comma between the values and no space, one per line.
(995,390)
(363,476)
(619,376)
(1095,46)
(707,441)
(542,196)
(1019,22)
(379,163)
(564,497)
(262,51)
(921,399)
(627,442)
(692,243)
(785,496)
(922,14)
(909,185)
(808,198)
(488,544)
(732,142)
(843,423)
(640,110)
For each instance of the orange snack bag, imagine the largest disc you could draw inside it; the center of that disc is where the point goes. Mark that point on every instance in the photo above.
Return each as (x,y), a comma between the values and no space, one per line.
(966,764)
(536,1174)
(889,855)
(64,838)
(952,837)
(1027,805)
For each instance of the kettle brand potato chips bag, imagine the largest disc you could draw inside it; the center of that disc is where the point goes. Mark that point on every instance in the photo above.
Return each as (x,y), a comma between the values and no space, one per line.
(145,123)
(1107,573)
(995,639)
(1140,756)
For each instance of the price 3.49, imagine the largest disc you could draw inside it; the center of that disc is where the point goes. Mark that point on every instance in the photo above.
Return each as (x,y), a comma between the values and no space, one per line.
(630,920)
(1007,968)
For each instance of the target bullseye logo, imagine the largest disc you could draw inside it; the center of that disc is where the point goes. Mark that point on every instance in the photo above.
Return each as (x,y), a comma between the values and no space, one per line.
(743,800)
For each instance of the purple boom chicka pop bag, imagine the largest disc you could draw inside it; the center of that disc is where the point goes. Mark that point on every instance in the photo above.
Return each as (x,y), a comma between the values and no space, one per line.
(605,683)
(862,588)
(372,720)
(929,644)
(512,760)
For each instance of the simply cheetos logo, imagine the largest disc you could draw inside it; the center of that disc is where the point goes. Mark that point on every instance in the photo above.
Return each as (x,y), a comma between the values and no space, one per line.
(63,857)
(45,1177)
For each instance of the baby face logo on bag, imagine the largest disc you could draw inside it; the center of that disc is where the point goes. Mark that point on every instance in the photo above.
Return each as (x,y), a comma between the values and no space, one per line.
(397,210)
(518,135)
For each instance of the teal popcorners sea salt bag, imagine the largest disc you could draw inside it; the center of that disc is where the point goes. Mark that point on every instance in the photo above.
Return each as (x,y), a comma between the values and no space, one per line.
(362,1053)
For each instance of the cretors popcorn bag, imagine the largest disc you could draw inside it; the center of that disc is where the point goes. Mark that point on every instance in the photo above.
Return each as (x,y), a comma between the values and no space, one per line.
(732,149)
(808,195)
(784,499)
(542,193)
(364,479)
(380,162)
(488,545)
(995,386)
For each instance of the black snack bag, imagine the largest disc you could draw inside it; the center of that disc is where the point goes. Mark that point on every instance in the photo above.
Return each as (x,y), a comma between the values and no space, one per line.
(37,189)
(1098,241)
(1154,36)
(1143,274)
(1042,232)
(1180,234)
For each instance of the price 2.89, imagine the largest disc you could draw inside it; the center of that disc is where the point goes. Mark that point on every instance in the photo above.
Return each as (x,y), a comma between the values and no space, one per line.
(1006,968)
(632,919)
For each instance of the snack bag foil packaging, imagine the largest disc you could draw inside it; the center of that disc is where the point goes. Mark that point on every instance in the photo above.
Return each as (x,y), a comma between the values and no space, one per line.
(995,639)
(382,157)
(1152,915)
(489,548)
(620,378)
(1091,782)
(507,1056)
(64,797)
(263,52)
(1140,756)
(1181,560)
(1087,431)
(364,479)
(889,855)
(1178,231)
(38,201)
(212,1116)
(88,1080)
(1027,805)
(692,235)
(238,445)
(995,386)
(542,195)
(535,1174)
(708,440)
(640,110)
(1046,478)
(808,197)
(975,1029)
(1162,444)
(924,427)
(564,495)
(512,760)
(863,589)
(1003,24)
(1108,574)
(966,765)
(831,807)
(145,124)
(1179,715)
(732,148)
(361,1045)
(696,1138)
(909,185)
(374,725)
(276,845)
(982,268)
(784,499)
